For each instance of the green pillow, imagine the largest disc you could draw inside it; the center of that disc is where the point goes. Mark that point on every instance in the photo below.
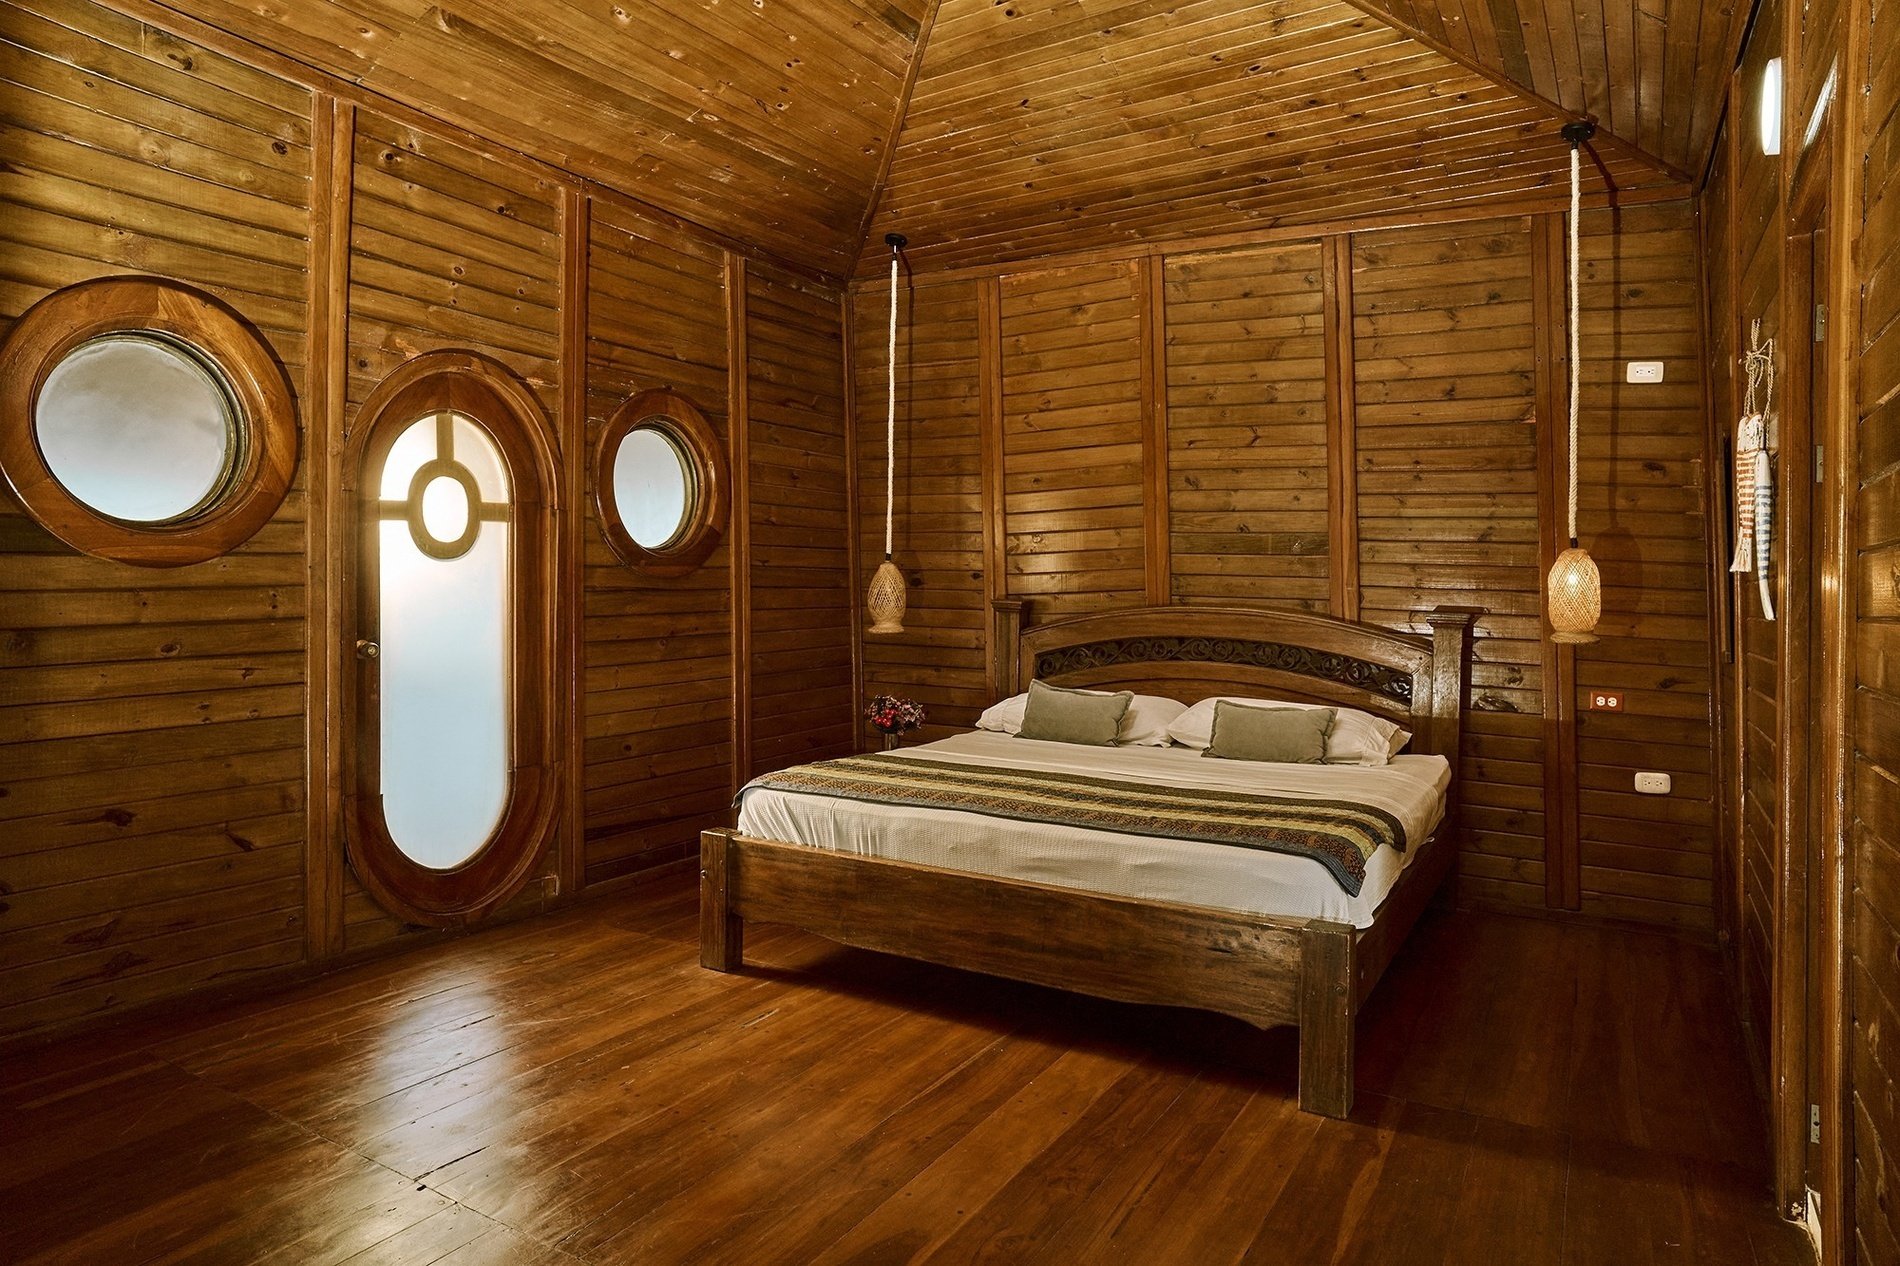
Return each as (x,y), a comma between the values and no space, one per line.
(1056,714)
(1290,736)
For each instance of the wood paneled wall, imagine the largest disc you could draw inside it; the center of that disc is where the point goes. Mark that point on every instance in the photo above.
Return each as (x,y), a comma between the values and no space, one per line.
(803,603)
(167,768)
(1247,426)
(152,778)
(1195,426)
(940,525)
(658,673)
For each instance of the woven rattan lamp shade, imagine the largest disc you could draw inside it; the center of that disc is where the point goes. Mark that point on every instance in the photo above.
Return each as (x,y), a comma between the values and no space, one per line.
(885,599)
(1575,595)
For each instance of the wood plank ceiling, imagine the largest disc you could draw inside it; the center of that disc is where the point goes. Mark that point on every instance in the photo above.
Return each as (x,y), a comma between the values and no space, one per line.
(1037,125)
(1037,128)
(1650,72)
(768,122)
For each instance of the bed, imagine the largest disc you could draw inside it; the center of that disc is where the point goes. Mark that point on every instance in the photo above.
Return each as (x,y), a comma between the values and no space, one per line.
(1131,914)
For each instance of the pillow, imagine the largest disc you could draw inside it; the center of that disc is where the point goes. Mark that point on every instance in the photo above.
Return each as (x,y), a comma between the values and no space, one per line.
(1057,715)
(1357,738)
(1287,736)
(1144,725)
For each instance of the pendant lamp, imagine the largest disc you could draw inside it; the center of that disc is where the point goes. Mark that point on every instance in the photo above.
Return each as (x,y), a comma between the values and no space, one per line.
(886,598)
(1574,591)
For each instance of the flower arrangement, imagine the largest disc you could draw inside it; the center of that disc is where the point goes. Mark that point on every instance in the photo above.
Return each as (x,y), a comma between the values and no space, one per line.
(893,715)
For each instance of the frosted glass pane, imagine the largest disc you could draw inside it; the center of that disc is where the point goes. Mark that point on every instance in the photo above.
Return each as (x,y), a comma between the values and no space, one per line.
(652,485)
(136,428)
(412,448)
(474,450)
(445,673)
(445,508)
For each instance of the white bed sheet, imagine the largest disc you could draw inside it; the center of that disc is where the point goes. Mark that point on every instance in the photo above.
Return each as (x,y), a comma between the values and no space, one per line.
(1411,788)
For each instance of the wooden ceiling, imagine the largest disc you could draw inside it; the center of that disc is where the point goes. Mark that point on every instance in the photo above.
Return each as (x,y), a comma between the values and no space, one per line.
(1053,126)
(1036,125)
(1650,72)
(765,121)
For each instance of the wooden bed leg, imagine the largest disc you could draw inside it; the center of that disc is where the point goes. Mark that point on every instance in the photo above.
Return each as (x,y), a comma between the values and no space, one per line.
(1326,1019)
(721,930)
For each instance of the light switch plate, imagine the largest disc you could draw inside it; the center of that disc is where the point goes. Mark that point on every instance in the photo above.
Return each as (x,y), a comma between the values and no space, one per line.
(1644,371)
(1653,784)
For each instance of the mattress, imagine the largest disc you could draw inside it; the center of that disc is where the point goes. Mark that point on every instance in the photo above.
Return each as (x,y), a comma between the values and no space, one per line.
(1411,788)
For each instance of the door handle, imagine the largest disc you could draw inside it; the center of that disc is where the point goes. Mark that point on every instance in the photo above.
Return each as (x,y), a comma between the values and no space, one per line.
(366,649)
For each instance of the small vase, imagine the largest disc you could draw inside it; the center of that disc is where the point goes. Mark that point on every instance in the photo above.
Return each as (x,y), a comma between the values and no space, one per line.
(890,740)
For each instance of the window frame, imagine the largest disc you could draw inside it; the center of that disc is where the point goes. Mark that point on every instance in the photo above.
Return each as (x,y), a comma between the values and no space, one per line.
(705,523)
(267,429)
(507,411)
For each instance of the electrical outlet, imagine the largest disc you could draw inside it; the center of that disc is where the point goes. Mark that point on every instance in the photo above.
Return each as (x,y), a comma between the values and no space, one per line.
(1606,701)
(1644,371)
(1653,784)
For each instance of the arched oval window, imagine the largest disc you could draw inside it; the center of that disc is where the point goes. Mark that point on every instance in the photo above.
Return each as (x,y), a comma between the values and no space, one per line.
(146,421)
(451,804)
(660,484)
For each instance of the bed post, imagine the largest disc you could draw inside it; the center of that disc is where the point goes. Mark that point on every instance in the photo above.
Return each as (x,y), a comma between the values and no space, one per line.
(1326,1018)
(1451,626)
(721,930)
(1006,634)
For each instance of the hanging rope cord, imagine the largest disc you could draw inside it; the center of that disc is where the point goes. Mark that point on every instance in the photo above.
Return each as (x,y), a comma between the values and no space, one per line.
(1576,392)
(890,419)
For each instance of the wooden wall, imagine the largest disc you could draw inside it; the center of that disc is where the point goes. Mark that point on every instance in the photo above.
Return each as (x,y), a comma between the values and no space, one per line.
(803,601)
(1194,427)
(658,672)
(1874,832)
(152,778)
(167,772)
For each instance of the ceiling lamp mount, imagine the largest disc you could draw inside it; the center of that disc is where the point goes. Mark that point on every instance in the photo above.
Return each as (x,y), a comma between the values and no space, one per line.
(1574,590)
(888,596)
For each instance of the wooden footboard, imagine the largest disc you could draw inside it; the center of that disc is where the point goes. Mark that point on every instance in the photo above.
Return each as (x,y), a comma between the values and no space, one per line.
(1267,971)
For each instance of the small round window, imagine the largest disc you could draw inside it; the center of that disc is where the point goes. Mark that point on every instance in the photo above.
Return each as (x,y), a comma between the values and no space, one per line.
(154,425)
(652,485)
(138,427)
(660,484)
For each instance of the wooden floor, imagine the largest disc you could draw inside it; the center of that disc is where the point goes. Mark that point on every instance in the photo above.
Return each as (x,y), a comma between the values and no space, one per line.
(577,1088)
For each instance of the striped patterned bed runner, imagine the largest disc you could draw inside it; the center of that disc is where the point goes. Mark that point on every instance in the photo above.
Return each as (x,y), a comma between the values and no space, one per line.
(1338,834)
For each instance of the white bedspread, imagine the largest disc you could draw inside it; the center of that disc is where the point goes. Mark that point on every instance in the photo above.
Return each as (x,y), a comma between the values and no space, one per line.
(1411,788)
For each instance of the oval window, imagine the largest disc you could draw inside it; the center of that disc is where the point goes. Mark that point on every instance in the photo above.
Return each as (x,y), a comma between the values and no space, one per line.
(159,427)
(443,605)
(138,427)
(660,484)
(451,797)
(653,486)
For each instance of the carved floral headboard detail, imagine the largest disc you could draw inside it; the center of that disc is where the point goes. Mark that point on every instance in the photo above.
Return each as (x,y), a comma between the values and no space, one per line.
(1193,652)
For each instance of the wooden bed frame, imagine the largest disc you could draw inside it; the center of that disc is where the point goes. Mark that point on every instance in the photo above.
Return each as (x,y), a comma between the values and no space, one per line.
(1265,970)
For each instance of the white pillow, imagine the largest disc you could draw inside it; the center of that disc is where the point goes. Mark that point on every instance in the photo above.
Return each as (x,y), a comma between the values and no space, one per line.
(1358,738)
(1145,724)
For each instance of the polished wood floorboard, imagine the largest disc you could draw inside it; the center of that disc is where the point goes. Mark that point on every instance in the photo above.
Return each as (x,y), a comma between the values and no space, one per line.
(578,1089)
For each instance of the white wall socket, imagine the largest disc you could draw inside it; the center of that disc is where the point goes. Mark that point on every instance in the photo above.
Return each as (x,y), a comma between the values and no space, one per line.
(1652,784)
(1644,371)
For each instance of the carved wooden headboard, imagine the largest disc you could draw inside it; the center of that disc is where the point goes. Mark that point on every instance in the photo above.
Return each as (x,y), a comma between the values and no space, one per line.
(1192,652)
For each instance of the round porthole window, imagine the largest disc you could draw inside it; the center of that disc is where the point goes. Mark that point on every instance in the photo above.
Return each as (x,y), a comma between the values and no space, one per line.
(652,485)
(138,427)
(660,484)
(144,421)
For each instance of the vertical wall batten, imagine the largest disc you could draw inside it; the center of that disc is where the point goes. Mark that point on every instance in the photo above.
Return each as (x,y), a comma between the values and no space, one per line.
(571,863)
(1156,524)
(1342,457)
(333,134)
(739,531)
